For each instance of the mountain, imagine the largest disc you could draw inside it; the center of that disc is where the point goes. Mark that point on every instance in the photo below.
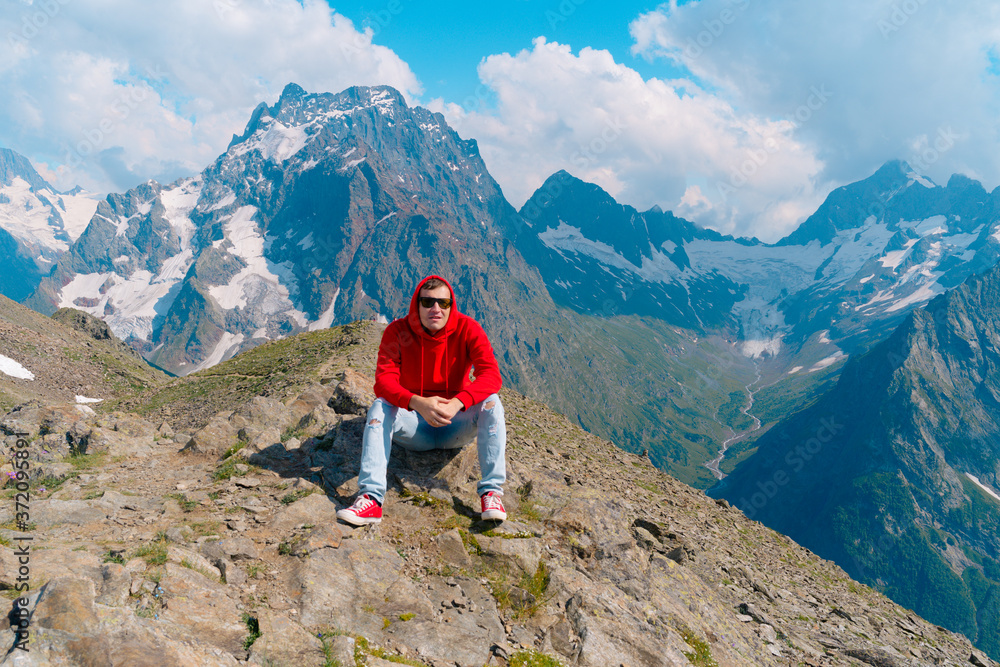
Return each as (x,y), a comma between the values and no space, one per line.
(845,277)
(37,224)
(157,552)
(893,474)
(329,208)
(649,330)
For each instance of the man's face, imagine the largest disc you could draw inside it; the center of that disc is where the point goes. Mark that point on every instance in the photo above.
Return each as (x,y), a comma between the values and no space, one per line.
(434,318)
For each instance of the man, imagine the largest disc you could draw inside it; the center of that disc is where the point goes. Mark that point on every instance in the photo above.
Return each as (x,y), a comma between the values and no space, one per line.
(425,399)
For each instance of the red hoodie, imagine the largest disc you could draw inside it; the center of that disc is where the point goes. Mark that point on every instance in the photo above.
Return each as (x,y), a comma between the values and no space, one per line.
(413,361)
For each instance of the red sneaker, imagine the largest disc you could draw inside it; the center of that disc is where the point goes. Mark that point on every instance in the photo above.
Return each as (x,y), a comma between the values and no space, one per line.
(365,510)
(492,506)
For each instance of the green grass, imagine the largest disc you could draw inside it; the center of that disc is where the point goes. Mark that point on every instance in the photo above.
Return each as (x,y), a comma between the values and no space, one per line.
(154,553)
(291,497)
(182,500)
(701,653)
(502,589)
(533,658)
(113,558)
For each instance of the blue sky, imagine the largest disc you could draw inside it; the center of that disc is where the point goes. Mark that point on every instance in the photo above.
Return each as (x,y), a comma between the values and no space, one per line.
(738,114)
(445,41)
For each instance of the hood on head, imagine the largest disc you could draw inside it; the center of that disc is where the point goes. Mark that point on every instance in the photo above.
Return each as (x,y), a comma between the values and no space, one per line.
(413,317)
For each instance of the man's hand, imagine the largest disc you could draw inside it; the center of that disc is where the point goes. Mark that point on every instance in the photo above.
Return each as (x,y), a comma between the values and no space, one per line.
(435,410)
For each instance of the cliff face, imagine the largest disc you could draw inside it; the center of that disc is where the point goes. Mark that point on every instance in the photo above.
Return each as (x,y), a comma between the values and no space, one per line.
(893,474)
(193,524)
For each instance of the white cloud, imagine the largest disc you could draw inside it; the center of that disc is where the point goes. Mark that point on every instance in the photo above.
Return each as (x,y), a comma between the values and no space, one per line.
(645,141)
(107,96)
(896,77)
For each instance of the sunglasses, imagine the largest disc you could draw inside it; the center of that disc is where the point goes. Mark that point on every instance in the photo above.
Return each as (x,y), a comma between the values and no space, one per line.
(429,301)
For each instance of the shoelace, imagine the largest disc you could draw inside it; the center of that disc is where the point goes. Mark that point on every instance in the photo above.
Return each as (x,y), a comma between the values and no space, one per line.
(362,503)
(492,502)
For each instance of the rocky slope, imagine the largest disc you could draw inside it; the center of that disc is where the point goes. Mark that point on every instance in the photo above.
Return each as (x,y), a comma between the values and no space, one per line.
(210,539)
(893,474)
(64,357)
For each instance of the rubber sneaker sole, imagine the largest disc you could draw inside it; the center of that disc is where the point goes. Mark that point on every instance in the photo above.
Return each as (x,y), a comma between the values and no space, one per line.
(355,520)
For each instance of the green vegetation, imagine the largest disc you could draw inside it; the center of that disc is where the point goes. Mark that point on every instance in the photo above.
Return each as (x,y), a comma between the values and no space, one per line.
(154,553)
(253,631)
(524,598)
(274,368)
(701,656)
(533,658)
(182,500)
(909,566)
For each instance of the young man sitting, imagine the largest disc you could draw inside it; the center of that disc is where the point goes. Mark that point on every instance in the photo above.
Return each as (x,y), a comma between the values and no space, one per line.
(425,399)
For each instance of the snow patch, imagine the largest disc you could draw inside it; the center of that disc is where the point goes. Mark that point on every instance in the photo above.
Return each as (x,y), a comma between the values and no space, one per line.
(829,361)
(12,368)
(84,399)
(794,370)
(326,319)
(227,346)
(894,258)
(281,142)
(755,349)
(983,486)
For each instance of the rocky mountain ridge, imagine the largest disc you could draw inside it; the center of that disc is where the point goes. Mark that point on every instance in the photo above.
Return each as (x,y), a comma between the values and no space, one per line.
(893,473)
(213,542)
(652,332)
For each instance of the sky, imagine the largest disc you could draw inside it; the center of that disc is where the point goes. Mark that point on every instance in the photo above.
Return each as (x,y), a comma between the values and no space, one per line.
(737,114)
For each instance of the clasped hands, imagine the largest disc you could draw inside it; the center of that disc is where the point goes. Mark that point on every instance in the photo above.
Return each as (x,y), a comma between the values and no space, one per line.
(435,410)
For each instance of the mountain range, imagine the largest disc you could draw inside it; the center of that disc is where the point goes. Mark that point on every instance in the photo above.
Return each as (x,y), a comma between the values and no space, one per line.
(329,207)
(893,474)
(663,336)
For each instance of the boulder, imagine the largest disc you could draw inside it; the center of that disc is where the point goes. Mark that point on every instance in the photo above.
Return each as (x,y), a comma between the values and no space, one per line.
(313,510)
(353,394)
(213,439)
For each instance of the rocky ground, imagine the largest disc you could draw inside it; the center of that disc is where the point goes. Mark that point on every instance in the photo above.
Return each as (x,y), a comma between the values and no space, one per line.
(216,543)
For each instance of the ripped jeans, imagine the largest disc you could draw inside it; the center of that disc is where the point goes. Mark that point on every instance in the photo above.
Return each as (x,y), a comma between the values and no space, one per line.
(387,423)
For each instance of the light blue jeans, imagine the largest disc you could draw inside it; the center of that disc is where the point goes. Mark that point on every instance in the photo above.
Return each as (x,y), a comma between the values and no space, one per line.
(388,423)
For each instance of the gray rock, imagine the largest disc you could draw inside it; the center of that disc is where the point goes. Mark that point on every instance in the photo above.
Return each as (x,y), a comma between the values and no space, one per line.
(282,641)
(232,573)
(116,584)
(313,510)
(353,394)
(358,588)
(521,553)
(67,604)
(77,512)
(319,421)
(214,438)
(201,609)
(324,536)
(265,412)
(452,549)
